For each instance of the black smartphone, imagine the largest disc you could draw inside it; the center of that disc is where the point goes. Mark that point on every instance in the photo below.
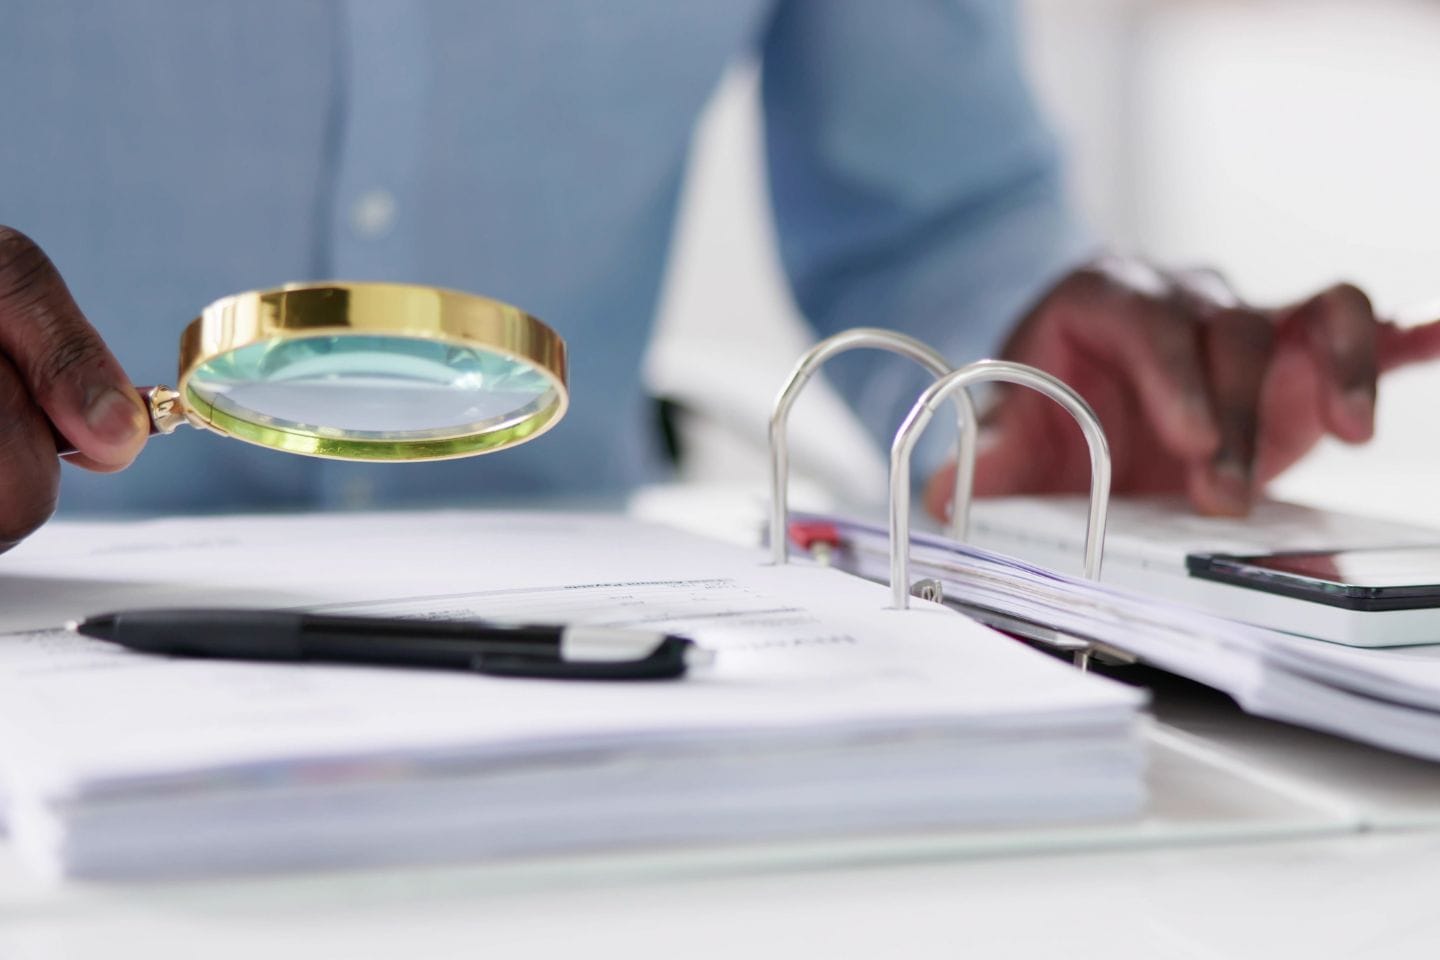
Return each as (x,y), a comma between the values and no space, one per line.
(1379,578)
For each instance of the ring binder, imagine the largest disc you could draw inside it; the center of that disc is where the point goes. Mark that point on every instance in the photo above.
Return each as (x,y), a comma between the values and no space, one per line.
(919,417)
(953,385)
(863,338)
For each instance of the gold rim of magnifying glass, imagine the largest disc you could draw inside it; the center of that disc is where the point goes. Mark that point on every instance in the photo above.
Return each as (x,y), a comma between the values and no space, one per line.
(301,310)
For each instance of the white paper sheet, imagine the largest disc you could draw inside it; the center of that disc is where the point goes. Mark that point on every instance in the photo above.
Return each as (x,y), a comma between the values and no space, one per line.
(808,659)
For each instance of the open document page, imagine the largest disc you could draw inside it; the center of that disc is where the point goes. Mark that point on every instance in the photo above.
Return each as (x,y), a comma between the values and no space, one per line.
(825,710)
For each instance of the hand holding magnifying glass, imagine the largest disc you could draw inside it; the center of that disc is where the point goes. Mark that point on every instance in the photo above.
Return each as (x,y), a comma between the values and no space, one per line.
(366,371)
(356,371)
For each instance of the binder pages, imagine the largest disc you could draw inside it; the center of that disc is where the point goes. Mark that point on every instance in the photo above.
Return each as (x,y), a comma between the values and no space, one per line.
(1387,697)
(1149,539)
(826,712)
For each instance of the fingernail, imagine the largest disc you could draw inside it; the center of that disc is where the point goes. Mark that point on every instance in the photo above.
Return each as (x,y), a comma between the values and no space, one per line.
(986,439)
(115,418)
(1360,403)
(1230,483)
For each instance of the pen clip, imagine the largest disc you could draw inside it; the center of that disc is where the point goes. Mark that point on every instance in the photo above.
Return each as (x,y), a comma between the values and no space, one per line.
(668,661)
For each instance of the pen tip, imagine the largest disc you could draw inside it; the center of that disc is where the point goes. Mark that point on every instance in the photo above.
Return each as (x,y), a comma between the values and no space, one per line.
(101,627)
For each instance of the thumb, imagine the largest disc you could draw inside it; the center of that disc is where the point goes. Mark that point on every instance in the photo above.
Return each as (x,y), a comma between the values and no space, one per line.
(1010,457)
(940,491)
(64,364)
(1005,462)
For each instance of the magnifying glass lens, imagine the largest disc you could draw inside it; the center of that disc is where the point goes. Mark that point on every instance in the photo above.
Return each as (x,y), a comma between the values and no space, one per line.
(372,371)
(370,388)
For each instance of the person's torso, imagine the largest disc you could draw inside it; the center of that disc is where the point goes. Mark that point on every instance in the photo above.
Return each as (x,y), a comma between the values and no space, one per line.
(166,153)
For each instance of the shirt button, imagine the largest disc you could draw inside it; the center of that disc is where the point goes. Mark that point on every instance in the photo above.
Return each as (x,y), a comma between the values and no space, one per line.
(373,214)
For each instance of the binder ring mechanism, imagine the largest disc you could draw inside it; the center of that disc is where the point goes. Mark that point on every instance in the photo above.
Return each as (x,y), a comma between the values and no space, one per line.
(955,383)
(872,338)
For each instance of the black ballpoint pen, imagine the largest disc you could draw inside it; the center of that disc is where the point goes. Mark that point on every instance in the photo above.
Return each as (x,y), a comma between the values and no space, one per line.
(573,652)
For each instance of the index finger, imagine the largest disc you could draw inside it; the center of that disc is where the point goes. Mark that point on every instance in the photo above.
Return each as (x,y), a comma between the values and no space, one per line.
(1398,346)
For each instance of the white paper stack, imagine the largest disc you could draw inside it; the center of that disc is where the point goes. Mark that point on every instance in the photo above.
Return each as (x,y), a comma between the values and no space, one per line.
(1389,697)
(826,712)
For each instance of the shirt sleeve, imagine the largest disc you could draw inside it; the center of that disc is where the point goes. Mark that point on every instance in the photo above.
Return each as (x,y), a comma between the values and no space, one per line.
(914,183)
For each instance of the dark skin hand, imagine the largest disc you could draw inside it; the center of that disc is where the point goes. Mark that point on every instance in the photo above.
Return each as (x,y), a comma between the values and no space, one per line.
(1198,393)
(54,368)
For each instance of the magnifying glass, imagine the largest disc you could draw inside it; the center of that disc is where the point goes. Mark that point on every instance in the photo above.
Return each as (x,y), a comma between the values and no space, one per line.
(366,371)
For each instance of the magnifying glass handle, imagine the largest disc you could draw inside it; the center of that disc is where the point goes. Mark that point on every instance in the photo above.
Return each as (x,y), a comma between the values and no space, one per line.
(163,404)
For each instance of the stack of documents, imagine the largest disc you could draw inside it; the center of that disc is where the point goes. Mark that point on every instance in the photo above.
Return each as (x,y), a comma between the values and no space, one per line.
(826,712)
(1384,696)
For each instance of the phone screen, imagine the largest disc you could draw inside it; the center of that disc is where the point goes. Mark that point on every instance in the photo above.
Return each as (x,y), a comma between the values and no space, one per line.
(1381,578)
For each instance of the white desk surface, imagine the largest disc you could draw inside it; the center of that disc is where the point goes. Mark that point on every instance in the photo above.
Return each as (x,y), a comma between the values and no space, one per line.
(1318,888)
(1353,896)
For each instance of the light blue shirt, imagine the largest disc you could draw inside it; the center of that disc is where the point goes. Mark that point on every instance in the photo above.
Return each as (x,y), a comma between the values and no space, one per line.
(168,152)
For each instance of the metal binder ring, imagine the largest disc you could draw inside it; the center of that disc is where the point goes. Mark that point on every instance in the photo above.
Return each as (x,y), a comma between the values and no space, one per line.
(876,339)
(984,371)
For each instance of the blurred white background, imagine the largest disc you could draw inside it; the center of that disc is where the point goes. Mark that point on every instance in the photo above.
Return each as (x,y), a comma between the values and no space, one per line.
(1289,143)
